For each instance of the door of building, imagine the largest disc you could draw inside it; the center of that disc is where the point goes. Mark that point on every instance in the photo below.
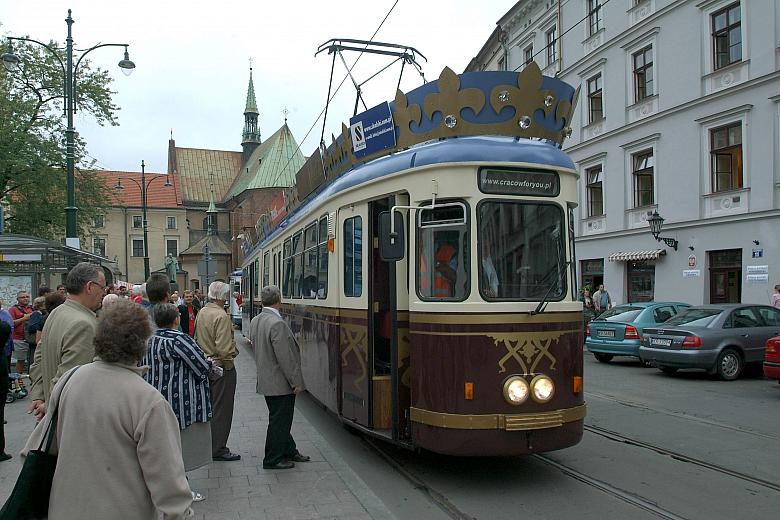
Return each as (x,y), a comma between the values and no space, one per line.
(726,276)
(641,281)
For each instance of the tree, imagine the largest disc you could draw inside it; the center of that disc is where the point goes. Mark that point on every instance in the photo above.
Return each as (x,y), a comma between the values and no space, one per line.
(32,141)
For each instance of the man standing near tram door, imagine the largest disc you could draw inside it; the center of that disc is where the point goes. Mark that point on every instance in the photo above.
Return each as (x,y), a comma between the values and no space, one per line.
(279,378)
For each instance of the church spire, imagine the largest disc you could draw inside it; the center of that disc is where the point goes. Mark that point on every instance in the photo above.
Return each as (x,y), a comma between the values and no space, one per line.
(251,136)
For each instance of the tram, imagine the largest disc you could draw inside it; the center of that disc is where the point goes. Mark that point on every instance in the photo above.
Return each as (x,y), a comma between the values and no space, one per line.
(429,279)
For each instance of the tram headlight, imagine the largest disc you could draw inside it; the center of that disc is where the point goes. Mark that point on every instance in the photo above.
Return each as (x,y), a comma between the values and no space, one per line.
(516,390)
(542,389)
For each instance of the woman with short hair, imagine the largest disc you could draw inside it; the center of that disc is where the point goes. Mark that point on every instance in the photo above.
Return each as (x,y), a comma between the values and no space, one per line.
(178,368)
(117,439)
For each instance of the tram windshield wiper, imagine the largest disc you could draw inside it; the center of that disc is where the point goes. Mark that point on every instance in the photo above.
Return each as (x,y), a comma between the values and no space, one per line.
(555,284)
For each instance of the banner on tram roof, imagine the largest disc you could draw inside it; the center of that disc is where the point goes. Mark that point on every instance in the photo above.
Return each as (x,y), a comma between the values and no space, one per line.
(372,131)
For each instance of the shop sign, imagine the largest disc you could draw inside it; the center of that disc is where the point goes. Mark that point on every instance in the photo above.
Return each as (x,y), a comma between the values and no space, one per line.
(691,273)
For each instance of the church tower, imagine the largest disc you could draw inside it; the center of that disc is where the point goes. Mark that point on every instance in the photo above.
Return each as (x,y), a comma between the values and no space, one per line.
(251,137)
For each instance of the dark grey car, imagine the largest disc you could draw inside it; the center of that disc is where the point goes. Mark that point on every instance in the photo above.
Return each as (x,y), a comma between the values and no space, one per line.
(721,339)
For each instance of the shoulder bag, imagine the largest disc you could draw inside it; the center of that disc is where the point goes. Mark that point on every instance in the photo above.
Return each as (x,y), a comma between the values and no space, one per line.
(30,496)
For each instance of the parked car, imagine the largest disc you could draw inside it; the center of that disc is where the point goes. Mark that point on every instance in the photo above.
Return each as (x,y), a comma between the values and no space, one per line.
(772,358)
(721,339)
(617,331)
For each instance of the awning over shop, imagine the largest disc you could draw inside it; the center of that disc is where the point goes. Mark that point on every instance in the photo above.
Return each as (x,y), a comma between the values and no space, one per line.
(628,256)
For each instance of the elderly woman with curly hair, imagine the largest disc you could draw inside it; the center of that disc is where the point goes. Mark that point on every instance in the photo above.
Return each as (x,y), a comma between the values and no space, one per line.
(118,446)
(178,368)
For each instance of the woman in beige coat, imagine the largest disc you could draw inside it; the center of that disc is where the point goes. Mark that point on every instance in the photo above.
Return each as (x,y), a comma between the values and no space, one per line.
(119,452)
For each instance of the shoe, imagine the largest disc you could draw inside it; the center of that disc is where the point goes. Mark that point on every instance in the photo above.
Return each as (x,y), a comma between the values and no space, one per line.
(227,457)
(197,497)
(299,457)
(4,456)
(285,464)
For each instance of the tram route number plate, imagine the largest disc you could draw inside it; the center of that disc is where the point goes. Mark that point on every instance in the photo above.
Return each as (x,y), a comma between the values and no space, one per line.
(661,342)
(605,333)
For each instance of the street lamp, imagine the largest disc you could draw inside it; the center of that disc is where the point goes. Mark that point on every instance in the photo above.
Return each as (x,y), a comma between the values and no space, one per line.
(656,222)
(11,62)
(143,186)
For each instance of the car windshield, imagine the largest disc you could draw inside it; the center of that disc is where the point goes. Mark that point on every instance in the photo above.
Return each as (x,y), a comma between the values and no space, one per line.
(621,313)
(693,317)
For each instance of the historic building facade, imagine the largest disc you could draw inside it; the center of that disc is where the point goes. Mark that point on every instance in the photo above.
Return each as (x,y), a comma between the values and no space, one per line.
(678,114)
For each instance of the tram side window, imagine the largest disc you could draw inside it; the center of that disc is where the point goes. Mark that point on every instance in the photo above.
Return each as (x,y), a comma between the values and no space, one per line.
(322,279)
(297,276)
(353,256)
(288,268)
(266,270)
(521,251)
(443,253)
(309,274)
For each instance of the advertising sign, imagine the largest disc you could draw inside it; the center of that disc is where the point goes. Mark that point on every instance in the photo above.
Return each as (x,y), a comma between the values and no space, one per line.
(372,131)
(537,183)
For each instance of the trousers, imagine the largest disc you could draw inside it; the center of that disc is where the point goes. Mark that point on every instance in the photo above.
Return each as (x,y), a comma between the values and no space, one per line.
(279,444)
(223,395)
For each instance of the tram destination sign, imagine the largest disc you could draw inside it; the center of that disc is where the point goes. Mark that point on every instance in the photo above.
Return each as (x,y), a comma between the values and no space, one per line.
(372,131)
(536,183)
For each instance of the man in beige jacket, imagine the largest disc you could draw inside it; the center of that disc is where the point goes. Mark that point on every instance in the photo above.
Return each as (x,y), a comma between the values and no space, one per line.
(67,337)
(214,334)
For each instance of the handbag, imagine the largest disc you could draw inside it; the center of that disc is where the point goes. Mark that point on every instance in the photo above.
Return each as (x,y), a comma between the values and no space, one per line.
(30,496)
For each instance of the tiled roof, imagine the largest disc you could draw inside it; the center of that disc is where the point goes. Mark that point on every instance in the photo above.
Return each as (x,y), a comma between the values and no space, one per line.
(216,246)
(272,165)
(194,166)
(157,194)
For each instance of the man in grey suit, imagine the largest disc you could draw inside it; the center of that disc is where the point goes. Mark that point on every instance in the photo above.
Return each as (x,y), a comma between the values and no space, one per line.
(279,378)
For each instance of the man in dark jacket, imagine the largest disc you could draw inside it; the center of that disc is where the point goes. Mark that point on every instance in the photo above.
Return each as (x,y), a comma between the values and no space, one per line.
(279,378)
(188,312)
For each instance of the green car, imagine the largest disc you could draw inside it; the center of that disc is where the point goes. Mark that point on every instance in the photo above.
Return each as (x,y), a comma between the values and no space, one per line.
(618,331)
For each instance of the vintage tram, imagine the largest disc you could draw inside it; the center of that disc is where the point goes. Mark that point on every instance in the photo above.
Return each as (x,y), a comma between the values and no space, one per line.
(429,276)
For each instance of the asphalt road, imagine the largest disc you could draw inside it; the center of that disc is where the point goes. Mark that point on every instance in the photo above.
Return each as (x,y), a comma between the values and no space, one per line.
(723,458)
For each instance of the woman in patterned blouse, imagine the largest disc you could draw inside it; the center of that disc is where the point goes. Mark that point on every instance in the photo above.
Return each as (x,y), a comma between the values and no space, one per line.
(178,368)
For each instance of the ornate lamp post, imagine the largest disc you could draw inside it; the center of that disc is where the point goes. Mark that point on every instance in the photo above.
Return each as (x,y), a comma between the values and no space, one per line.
(11,62)
(144,186)
(656,222)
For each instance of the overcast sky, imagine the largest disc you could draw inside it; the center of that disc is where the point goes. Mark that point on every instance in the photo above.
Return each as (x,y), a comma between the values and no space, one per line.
(192,60)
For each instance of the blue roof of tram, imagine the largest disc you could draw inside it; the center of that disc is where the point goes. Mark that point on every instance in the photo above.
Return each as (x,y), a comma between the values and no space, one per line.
(491,149)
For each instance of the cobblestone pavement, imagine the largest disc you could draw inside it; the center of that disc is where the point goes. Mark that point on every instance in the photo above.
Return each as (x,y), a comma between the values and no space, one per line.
(325,488)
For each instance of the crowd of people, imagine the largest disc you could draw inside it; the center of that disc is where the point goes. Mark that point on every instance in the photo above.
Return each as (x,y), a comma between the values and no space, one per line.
(143,382)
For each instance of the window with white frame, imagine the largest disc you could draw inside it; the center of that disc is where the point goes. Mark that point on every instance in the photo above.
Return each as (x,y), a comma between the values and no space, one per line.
(595,99)
(170,222)
(643,170)
(99,246)
(528,54)
(726,157)
(727,36)
(172,247)
(99,221)
(550,37)
(595,190)
(642,63)
(138,247)
(138,221)
(595,17)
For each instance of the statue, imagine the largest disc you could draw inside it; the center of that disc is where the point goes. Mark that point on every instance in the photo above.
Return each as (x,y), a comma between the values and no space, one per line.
(171,267)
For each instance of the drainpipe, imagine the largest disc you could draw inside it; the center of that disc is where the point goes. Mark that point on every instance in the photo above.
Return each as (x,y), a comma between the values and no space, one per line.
(559,41)
(127,238)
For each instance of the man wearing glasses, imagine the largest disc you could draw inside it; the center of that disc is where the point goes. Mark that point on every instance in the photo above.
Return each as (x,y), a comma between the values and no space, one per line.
(67,337)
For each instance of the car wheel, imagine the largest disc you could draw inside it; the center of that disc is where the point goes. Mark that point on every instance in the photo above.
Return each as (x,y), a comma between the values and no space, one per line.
(604,358)
(729,365)
(668,370)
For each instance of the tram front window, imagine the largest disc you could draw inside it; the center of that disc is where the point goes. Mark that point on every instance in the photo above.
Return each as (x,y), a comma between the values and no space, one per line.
(521,251)
(443,253)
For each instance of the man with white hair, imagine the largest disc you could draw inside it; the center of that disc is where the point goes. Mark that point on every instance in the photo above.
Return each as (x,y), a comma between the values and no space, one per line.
(214,334)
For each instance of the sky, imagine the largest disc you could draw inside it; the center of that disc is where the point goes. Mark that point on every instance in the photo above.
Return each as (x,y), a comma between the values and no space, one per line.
(192,63)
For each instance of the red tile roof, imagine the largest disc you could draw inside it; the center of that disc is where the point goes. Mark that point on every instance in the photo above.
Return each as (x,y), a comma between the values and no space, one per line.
(157,194)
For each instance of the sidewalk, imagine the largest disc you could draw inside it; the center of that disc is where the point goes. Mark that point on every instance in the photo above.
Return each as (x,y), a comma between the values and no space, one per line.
(325,488)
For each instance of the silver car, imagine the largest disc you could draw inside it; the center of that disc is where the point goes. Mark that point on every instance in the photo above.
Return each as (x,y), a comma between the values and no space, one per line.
(721,339)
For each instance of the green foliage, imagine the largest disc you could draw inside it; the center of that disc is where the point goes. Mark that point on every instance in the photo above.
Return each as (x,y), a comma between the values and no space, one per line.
(32,140)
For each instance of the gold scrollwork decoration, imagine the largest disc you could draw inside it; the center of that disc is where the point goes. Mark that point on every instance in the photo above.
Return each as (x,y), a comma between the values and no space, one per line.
(528,349)
(353,339)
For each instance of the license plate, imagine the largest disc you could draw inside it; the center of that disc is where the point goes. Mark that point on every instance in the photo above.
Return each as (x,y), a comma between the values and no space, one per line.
(605,333)
(661,342)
